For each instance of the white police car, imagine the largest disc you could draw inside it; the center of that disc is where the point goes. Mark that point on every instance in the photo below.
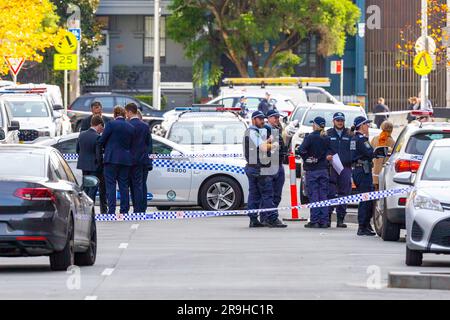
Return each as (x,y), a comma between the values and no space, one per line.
(180,177)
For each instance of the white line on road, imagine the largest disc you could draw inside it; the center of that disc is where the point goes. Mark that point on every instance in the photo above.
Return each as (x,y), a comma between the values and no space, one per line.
(135,226)
(90,298)
(123,246)
(107,272)
(374,254)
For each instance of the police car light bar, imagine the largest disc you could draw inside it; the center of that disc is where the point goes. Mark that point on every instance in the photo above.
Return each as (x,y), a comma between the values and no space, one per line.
(23,91)
(322,82)
(206,108)
(422,113)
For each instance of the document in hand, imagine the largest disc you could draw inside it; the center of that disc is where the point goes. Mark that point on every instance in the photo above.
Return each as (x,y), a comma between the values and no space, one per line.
(337,164)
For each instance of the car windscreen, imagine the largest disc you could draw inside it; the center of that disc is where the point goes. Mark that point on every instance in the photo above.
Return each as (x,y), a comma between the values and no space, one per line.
(350,116)
(22,164)
(207,132)
(298,113)
(28,109)
(418,143)
(437,167)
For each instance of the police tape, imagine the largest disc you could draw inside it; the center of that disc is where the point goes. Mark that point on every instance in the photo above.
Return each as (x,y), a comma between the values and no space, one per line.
(74,156)
(176,215)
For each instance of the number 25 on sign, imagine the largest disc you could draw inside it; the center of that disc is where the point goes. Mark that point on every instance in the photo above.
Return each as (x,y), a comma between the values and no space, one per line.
(65,62)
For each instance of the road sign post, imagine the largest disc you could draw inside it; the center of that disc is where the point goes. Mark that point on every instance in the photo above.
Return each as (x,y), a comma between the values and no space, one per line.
(424,80)
(74,26)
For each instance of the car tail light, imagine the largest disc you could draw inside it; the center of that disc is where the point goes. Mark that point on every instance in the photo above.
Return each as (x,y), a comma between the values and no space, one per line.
(287,112)
(35,194)
(402,202)
(28,238)
(407,166)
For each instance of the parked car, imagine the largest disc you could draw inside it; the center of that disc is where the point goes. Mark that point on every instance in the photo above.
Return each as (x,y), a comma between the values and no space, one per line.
(407,155)
(428,206)
(178,178)
(81,108)
(43,210)
(9,128)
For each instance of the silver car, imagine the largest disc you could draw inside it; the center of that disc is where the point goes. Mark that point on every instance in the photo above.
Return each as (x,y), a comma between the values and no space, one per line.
(428,206)
(179,178)
(411,145)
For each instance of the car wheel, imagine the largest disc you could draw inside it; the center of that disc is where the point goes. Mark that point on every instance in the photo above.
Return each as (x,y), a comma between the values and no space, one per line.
(378,210)
(163,208)
(220,194)
(303,198)
(156,128)
(61,260)
(78,126)
(389,231)
(88,258)
(413,257)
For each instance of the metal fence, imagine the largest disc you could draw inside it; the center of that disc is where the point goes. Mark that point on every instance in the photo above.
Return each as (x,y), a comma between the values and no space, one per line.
(396,85)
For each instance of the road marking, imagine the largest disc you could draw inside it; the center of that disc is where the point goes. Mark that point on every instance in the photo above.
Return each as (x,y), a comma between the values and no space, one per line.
(135,226)
(107,272)
(90,298)
(374,254)
(123,246)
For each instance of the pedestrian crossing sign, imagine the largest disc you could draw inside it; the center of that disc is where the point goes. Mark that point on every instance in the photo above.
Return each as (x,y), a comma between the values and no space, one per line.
(423,63)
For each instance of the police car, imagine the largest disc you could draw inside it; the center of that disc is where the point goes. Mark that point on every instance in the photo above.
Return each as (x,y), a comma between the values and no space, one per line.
(37,117)
(9,129)
(181,177)
(300,122)
(407,155)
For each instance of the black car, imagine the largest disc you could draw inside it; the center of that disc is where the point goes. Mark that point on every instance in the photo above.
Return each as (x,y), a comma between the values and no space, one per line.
(43,210)
(81,108)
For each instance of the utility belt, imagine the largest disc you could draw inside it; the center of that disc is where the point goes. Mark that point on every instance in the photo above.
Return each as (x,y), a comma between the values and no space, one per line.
(367,165)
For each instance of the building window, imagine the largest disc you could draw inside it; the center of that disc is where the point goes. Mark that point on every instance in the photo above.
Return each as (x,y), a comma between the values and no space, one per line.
(149,37)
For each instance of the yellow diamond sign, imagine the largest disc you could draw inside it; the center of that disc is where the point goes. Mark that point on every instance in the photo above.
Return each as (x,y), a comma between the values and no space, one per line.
(423,63)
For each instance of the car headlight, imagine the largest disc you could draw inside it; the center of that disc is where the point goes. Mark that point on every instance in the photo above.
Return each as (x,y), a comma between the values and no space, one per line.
(423,201)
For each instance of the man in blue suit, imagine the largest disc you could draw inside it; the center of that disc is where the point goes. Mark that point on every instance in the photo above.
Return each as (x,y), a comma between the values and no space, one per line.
(117,140)
(139,151)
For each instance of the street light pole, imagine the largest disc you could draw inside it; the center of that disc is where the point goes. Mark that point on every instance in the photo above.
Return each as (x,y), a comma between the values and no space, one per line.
(447,65)
(156,59)
(424,84)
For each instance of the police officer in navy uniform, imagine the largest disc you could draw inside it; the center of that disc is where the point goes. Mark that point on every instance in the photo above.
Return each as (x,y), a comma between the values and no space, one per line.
(257,150)
(314,151)
(340,185)
(362,156)
(243,105)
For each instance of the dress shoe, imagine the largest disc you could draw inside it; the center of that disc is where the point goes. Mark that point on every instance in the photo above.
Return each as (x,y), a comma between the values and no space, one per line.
(325,225)
(275,224)
(340,224)
(362,231)
(254,223)
(312,225)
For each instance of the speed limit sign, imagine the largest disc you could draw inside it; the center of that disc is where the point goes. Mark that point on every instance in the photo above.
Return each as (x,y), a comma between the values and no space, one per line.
(65,62)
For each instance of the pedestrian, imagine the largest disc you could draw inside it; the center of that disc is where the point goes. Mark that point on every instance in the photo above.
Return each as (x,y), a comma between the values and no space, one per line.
(257,149)
(384,139)
(340,185)
(276,131)
(380,108)
(362,156)
(96,109)
(148,168)
(139,151)
(243,105)
(117,140)
(314,151)
(418,106)
(265,104)
(90,159)
(412,102)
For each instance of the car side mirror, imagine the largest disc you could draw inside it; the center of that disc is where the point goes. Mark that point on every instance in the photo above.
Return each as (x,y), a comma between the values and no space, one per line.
(57,107)
(285,120)
(90,182)
(2,134)
(406,178)
(381,152)
(15,125)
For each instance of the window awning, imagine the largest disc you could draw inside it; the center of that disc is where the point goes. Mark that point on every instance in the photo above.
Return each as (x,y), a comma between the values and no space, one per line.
(130,7)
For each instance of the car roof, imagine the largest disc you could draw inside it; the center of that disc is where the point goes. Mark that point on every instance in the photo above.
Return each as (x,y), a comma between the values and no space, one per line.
(26,97)
(252,94)
(106,94)
(25,148)
(427,126)
(442,143)
(219,116)
(328,106)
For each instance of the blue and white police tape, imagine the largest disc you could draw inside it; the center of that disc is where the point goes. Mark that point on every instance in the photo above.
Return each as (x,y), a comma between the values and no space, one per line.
(174,215)
(74,156)
(184,165)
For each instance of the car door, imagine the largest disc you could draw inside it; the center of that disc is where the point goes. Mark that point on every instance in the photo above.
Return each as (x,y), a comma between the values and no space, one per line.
(170,179)
(68,148)
(11,136)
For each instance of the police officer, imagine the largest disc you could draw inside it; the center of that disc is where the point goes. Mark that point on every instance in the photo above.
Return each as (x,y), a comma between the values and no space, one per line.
(257,150)
(265,104)
(340,185)
(314,151)
(362,156)
(276,131)
(243,105)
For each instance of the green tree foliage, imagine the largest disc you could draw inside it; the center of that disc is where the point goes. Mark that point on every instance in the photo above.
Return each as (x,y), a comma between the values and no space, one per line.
(237,28)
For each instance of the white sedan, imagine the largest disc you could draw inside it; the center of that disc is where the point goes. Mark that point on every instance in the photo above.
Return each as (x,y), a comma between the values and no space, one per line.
(179,177)
(428,206)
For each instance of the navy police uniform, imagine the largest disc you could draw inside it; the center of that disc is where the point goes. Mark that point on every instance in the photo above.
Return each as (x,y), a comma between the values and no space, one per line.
(340,184)
(362,156)
(314,151)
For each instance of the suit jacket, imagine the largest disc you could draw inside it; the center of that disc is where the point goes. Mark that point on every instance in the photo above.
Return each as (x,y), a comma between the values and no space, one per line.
(117,140)
(141,142)
(86,122)
(88,151)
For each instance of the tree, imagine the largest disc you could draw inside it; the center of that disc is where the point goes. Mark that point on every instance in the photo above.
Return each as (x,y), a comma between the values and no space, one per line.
(27,29)
(237,28)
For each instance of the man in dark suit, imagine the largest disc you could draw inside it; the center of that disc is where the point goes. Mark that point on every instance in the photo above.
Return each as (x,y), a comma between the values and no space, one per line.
(139,151)
(90,161)
(146,170)
(96,109)
(117,140)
